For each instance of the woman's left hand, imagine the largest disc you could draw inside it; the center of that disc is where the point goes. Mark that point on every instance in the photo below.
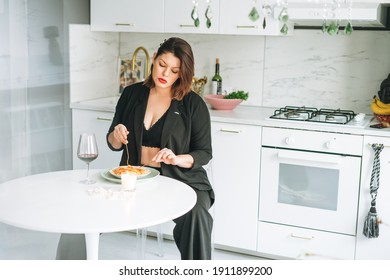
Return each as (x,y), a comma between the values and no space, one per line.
(166,156)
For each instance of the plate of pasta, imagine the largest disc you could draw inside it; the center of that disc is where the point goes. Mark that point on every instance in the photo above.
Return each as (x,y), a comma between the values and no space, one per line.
(153,173)
(139,171)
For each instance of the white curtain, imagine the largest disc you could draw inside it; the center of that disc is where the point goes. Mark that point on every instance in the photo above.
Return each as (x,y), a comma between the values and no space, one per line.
(35,129)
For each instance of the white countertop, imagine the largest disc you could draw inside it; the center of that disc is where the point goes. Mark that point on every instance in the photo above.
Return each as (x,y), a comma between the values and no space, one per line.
(106,104)
(249,115)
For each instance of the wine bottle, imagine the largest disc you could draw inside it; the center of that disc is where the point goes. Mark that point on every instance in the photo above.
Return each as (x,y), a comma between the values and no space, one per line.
(217,80)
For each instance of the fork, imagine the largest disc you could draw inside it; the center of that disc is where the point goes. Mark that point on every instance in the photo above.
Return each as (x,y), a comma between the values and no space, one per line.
(127,161)
(127,151)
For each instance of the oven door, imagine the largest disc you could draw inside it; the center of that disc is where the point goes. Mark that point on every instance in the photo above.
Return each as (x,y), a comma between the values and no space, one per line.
(309,189)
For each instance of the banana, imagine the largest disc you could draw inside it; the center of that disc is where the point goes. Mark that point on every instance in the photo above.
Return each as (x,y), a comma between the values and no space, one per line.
(379,111)
(381,104)
(380,108)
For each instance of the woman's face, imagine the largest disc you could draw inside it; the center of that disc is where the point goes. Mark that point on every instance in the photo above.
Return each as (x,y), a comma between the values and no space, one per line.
(166,69)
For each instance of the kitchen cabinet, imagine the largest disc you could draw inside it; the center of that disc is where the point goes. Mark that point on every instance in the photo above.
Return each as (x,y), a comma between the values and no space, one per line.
(174,16)
(301,243)
(374,248)
(178,17)
(234,19)
(236,173)
(96,122)
(127,15)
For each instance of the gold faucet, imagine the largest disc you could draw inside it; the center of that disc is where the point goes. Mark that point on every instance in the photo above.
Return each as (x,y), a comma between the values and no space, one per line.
(147,60)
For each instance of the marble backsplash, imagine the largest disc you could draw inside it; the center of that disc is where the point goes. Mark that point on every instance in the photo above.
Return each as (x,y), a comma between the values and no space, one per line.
(308,68)
(318,70)
(93,63)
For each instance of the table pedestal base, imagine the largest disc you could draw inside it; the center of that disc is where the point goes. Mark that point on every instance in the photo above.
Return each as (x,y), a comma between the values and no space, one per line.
(92,244)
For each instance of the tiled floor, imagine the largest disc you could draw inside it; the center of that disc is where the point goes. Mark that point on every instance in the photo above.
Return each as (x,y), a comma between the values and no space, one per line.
(20,244)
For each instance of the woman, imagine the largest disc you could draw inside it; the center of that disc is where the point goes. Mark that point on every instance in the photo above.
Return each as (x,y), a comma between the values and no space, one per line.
(167,126)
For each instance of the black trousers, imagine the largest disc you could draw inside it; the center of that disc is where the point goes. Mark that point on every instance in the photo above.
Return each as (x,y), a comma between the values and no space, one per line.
(192,232)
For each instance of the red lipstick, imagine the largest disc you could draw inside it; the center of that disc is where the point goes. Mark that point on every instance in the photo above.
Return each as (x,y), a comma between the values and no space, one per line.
(161,80)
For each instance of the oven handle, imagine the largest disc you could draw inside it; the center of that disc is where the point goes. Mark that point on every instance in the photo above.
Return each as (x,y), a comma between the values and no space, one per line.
(320,158)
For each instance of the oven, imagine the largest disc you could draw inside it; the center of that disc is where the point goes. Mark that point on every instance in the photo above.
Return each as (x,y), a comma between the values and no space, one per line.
(309,189)
(310,179)
(309,183)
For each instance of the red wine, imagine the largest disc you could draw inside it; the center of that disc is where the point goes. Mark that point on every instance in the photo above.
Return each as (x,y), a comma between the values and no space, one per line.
(87,157)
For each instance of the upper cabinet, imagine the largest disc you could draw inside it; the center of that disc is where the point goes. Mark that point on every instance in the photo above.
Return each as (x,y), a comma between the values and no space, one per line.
(127,15)
(180,16)
(235,17)
(249,18)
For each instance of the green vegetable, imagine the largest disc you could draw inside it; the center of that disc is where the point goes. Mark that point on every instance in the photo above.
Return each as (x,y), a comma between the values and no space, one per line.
(237,95)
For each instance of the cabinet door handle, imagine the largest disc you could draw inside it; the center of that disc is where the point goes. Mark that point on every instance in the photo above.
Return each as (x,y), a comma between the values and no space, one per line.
(187,25)
(247,26)
(229,131)
(124,24)
(104,119)
(301,237)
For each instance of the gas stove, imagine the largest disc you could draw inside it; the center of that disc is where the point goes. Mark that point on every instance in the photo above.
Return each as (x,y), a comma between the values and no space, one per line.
(321,116)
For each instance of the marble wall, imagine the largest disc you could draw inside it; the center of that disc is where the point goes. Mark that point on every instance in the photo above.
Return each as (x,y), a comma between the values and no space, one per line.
(93,63)
(318,70)
(241,58)
(308,68)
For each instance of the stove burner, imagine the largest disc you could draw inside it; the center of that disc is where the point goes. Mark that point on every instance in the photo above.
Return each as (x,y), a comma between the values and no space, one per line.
(310,114)
(330,118)
(292,115)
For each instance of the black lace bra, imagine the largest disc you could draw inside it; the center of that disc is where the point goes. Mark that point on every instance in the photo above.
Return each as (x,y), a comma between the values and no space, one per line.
(152,136)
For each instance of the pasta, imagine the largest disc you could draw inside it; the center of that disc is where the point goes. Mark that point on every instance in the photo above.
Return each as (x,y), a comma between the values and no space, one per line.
(130,169)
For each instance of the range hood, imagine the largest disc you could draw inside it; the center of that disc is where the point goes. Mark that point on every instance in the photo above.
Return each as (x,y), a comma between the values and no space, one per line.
(365,15)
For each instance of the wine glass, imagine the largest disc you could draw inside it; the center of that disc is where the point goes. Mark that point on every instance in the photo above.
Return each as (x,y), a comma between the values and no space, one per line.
(87,151)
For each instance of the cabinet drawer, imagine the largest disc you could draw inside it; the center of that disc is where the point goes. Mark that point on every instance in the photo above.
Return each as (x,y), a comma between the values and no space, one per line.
(299,243)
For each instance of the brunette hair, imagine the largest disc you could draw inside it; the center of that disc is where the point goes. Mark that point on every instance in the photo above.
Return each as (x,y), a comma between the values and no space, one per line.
(182,50)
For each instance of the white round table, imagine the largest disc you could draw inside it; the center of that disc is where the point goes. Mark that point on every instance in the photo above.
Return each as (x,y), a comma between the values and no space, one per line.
(57,202)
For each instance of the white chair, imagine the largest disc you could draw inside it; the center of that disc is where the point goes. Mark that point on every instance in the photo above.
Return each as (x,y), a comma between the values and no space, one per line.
(141,242)
(209,170)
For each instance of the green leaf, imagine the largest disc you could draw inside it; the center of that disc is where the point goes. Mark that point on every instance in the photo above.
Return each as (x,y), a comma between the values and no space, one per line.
(240,94)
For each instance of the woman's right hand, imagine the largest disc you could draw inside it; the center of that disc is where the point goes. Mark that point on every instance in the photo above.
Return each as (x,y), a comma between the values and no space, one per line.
(120,133)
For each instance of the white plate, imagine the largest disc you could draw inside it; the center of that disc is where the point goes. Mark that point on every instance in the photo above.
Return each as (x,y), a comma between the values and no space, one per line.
(152,174)
(119,176)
